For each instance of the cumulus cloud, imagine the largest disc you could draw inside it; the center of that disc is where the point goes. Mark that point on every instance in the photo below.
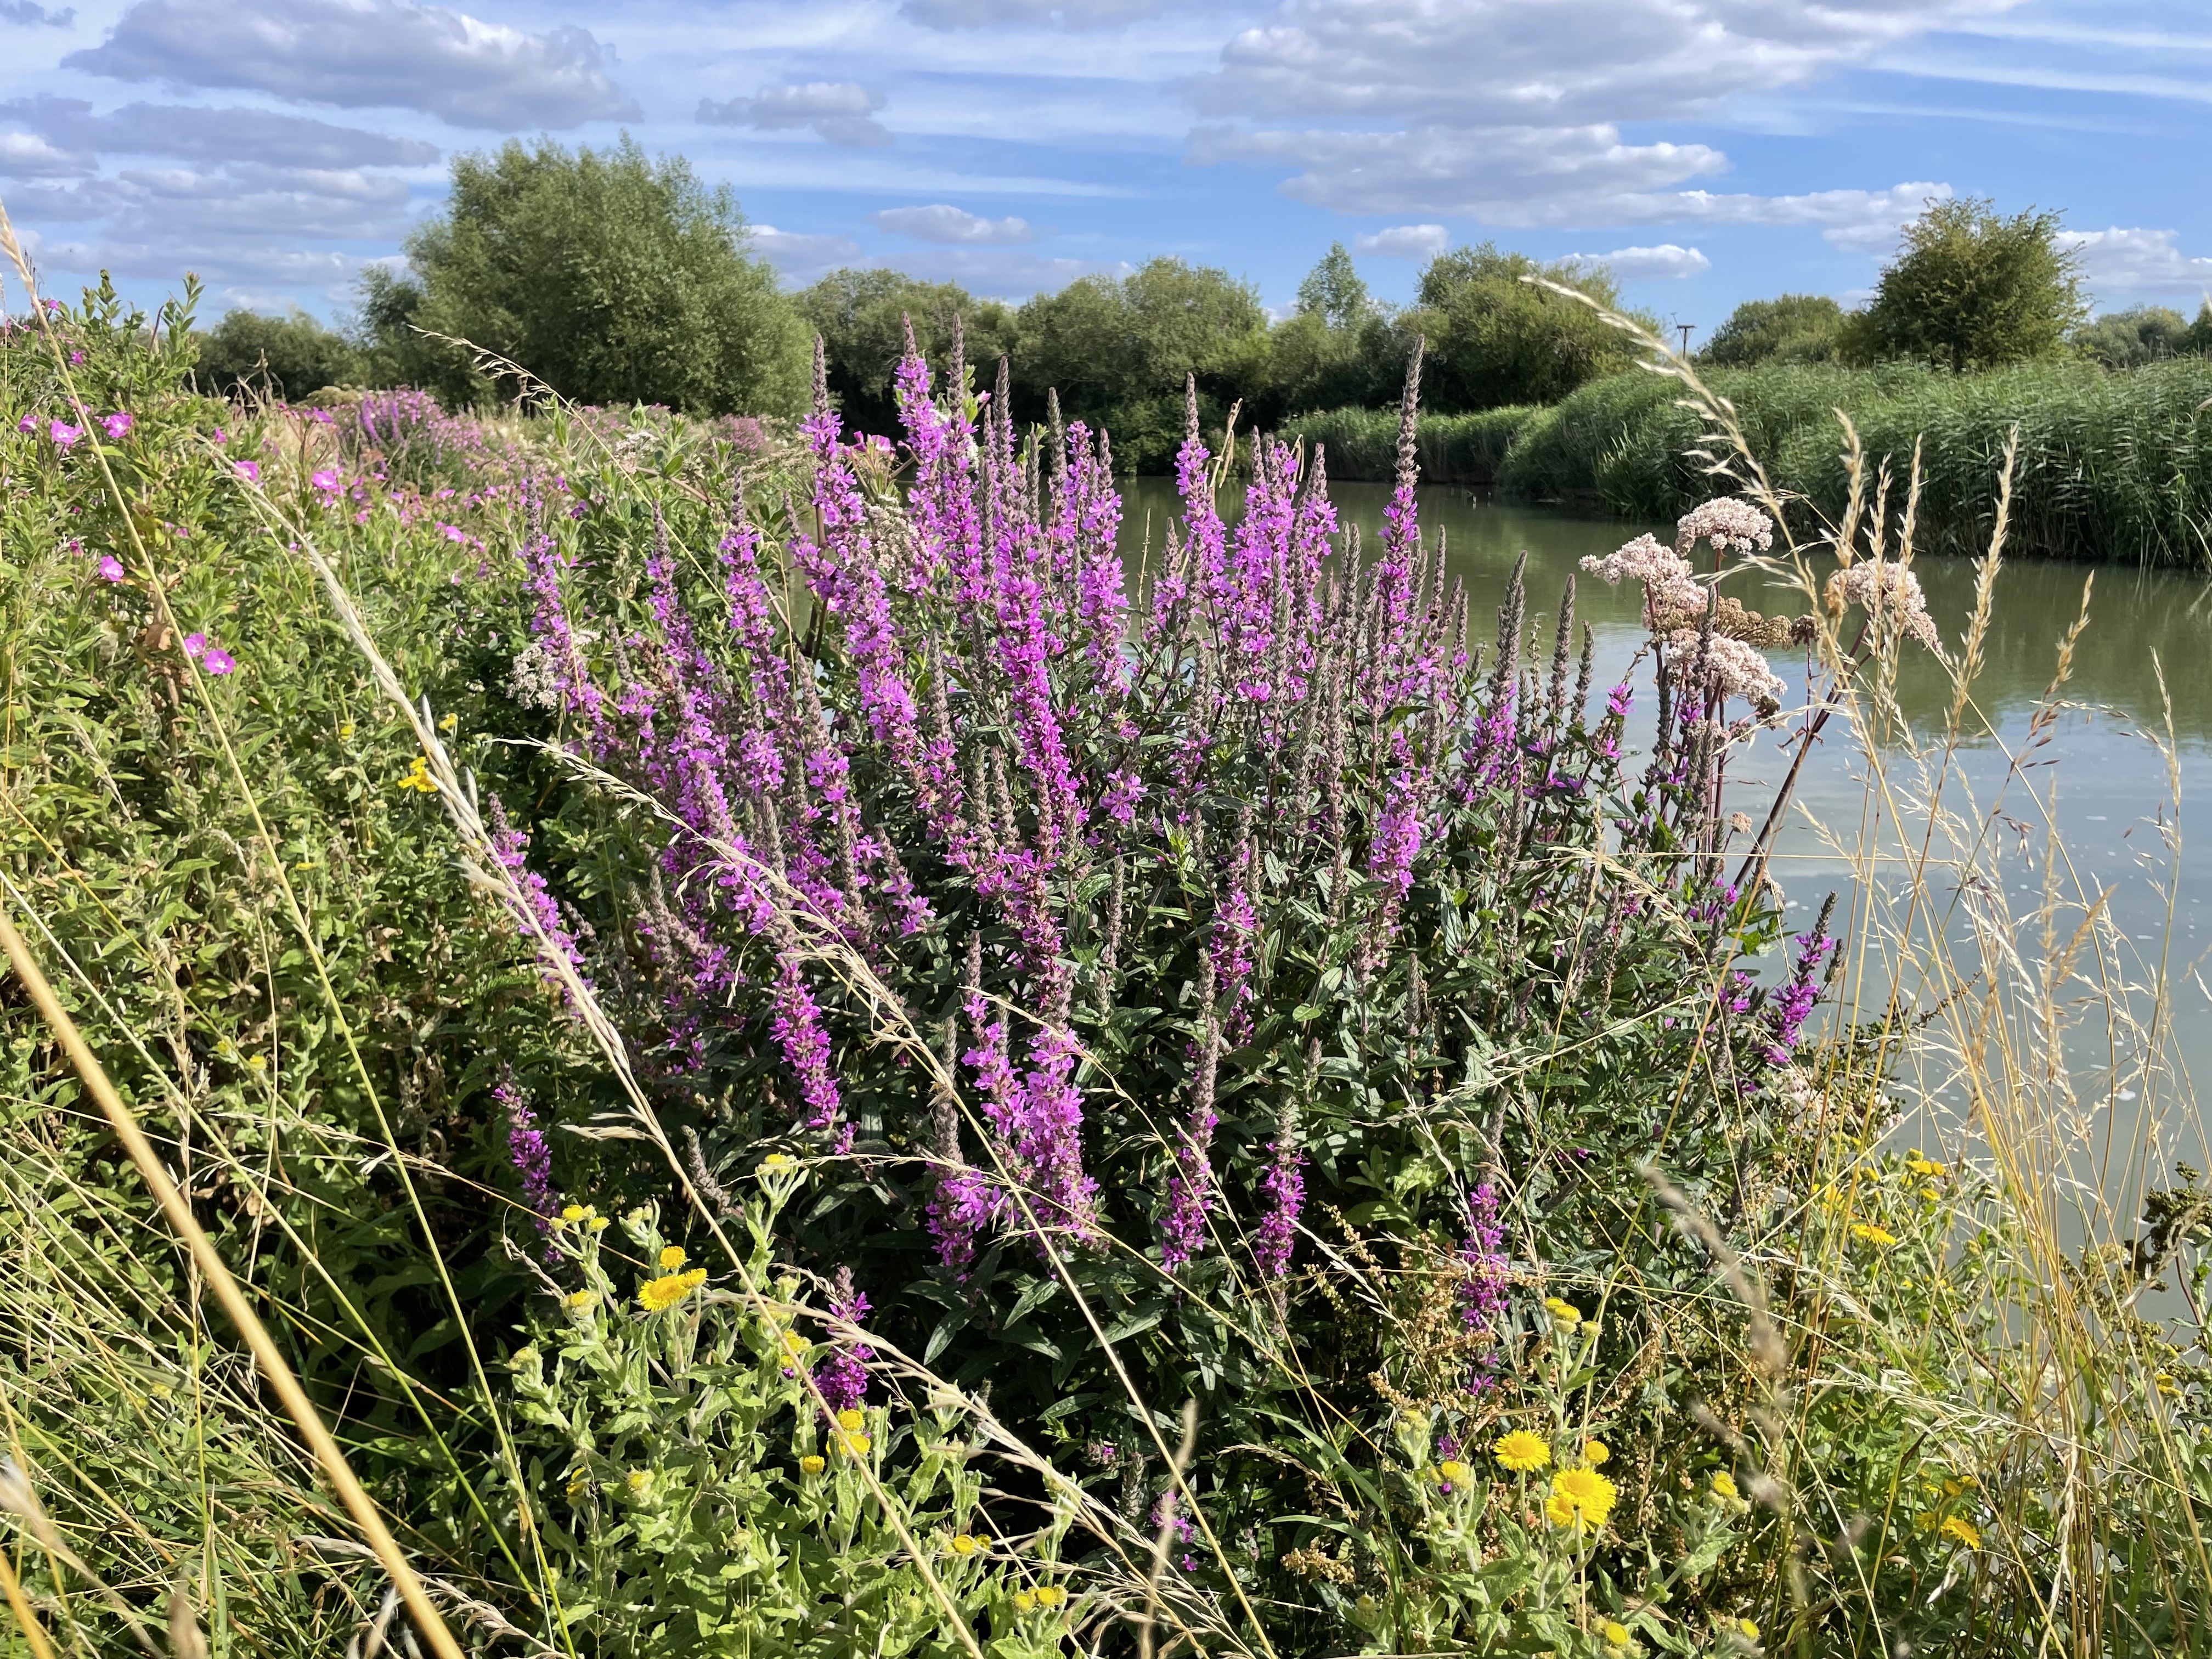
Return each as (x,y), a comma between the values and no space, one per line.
(2141,261)
(367,53)
(940,222)
(799,256)
(201,134)
(1061,14)
(191,207)
(28,155)
(264,265)
(1007,274)
(31,15)
(1510,111)
(842,112)
(1636,263)
(1404,241)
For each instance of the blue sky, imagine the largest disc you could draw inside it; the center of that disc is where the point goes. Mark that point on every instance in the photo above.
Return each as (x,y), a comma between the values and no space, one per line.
(1713,150)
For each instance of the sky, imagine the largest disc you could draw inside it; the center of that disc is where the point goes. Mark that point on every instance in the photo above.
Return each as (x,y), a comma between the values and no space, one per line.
(1710,151)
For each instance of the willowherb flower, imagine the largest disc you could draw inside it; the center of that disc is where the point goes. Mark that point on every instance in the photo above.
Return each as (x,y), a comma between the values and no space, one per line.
(1879,585)
(117,424)
(1729,523)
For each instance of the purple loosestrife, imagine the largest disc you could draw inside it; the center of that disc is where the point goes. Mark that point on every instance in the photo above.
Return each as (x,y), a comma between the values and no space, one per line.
(1257,571)
(796,1024)
(511,846)
(1204,538)
(1486,1277)
(1285,1184)
(1101,603)
(580,695)
(1800,993)
(1037,1119)
(1311,532)
(844,1380)
(526,1150)
(1401,533)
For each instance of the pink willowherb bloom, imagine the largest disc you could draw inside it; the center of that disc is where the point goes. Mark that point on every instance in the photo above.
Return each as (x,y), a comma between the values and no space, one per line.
(117,424)
(218,661)
(249,470)
(64,434)
(112,567)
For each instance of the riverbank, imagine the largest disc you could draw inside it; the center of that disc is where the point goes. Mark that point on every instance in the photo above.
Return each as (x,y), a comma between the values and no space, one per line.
(2114,467)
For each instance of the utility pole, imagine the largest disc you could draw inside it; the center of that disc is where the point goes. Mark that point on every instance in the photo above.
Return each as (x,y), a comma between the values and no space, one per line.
(1685,328)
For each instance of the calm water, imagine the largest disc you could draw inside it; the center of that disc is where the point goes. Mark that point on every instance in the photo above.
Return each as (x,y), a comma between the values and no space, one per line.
(2109,782)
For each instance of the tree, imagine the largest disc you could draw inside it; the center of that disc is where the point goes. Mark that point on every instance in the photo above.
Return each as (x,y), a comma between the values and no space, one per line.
(862,316)
(288,357)
(1970,288)
(1791,328)
(612,277)
(1336,350)
(1333,290)
(1496,338)
(2130,338)
(1118,352)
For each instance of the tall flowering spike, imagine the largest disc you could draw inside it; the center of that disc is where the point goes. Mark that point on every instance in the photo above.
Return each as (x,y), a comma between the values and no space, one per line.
(844,1380)
(1257,575)
(821,426)
(796,1024)
(556,641)
(1486,1276)
(753,625)
(526,1150)
(511,846)
(1101,601)
(1284,1185)
(1192,1191)
(1401,527)
(1203,551)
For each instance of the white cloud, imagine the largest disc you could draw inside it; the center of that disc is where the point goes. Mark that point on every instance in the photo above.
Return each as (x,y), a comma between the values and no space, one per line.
(1063,14)
(842,112)
(2137,260)
(941,223)
(26,156)
(1004,275)
(1405,242)
(801,257)
(31,15)
(1633,264)
(222,134)
(1863,221)
(366,53)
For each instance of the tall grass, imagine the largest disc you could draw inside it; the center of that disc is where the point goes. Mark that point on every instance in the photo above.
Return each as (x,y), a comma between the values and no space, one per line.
(2114,467)
(1454,449)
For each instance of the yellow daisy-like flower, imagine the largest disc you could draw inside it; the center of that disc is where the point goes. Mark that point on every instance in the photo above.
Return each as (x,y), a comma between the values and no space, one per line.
(640,1482)
(851,1421)
(573,1212)
(813,1465)
(582,1301)
(1880,1237)
(795,1346)
(1724,1486)
(1746,1629)
(1595,1452)
(1615,1634)
(1922,1167)
(661,1294)
(1961,1531)
(777,1162)
(963,1544)
(672,1258)
(418,777)
(1453,1470)
(1564,1311)
(1591,1493)
(1521,1451)
(598,1224)
(1024,1602)
(1560,1513)
(449,722)
(1051,1596)
(853,1445)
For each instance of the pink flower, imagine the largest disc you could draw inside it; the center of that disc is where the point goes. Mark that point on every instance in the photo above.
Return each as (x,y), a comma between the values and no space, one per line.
(249,470)
(218,660)
(29,424)
(325,480)
(112,567)
(117,424)
(194,644)
(219,438)
(63,434)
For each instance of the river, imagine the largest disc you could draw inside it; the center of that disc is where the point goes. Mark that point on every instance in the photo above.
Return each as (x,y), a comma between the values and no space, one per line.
(2099,781)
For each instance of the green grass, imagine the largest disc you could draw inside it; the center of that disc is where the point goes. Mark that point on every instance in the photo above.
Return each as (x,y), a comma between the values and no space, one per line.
(1455,449)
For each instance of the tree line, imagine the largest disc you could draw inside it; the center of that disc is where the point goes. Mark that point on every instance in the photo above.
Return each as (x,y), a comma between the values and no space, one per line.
(613,276)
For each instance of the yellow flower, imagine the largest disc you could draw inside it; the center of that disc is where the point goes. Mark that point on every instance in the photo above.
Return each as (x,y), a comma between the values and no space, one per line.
(449,722)
(965,1544)
(1051,1596)
(1454,1471)
(1559,1512)
(665,1294)
(1724,1486)
(776,1164)
(672,1258)
(1521,1451)
(1615,1634)
(1930,1194)
(854,1445)
(573,1212)
(257,1062)
(418,777)
(1565,1312)
(851,1421)
(1880,1237)
(640,1482)
(598,1224)
(1747,1629)
(1588,1492)
(1024,1602)
(813,1465)
(1595,1452)
(1961,1531)
(583,1301)
(795,1346)
(1922,1166)
(346,729)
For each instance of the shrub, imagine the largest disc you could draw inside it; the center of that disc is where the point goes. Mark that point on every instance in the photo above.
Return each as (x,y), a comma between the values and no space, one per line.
(1791,328)
(1496,339)
(286,357)
(1970,288)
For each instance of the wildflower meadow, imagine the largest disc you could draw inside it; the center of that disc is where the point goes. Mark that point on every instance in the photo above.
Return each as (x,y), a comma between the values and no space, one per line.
(637,1035)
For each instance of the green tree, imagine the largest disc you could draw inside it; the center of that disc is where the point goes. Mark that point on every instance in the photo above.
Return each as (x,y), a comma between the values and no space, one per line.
(1118,352)
(861,315)
(2199,339)
(1790,328)
(1494,337)
(1336,350)
(2130,338)
(1970,288)
(611,277)
(1333,291)
(287,357)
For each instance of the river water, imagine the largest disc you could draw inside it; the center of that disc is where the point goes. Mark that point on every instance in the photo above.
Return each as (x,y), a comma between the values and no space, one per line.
(2100,783)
